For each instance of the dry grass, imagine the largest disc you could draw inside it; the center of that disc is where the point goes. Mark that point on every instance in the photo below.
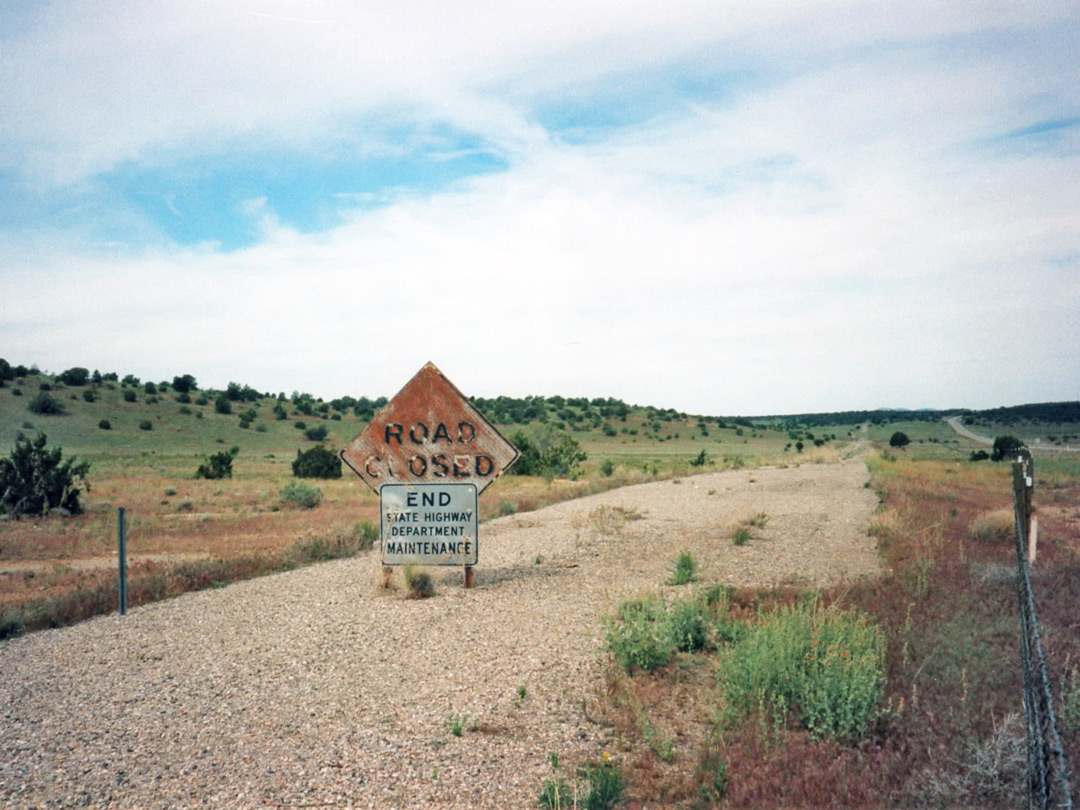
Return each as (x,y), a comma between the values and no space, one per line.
(998,526)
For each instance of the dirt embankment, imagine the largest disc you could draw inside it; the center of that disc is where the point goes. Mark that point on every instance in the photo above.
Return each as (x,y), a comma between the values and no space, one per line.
(317,688)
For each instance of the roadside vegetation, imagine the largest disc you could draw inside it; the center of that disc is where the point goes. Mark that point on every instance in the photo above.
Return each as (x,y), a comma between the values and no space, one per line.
(901,692)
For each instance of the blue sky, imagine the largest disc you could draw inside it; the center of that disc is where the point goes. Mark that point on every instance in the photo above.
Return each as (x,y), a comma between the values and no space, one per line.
(726,208)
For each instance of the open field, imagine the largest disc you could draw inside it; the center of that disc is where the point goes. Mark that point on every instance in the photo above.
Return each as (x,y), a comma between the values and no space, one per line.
(236,527)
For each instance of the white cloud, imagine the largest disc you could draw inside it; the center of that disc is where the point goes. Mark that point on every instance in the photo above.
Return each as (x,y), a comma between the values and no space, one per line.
(842,231)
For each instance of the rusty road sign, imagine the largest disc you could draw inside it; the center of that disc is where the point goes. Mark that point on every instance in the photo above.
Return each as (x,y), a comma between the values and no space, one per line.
(429,433)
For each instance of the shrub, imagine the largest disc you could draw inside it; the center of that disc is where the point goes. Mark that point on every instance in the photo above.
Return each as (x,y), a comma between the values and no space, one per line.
(129,395)
(150,388)
(222,405)
(978,455)
(420,585)
(300,494)
(1006,448)
(826,665)
(146,424)
(217,466)
(34,480)
(75,377)
(105,424)
(607,469)
(88,395)
(46,405)
(699,460)
(899,439)
(317,433)
(184,384)
(685,569)
(638,636)
(318,462)
(688,625)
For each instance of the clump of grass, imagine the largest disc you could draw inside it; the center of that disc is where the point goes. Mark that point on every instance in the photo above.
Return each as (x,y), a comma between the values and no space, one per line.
(300,493)
(741,534)
(556,793)
(757,521)
(606,782)
(606,519)
(998,526)
(368,533)
(455,723)
(685,569)
(419,584)
(827,666)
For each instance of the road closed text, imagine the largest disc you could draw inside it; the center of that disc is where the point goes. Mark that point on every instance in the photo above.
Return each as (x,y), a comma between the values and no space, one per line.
(441,452)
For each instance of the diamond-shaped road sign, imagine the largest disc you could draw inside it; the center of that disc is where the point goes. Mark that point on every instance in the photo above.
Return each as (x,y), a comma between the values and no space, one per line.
(429,433)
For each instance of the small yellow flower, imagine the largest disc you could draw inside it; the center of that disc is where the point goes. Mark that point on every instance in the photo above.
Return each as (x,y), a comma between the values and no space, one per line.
(605,756)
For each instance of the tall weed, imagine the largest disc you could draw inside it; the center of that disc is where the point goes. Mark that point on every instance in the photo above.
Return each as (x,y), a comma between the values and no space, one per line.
(825,666)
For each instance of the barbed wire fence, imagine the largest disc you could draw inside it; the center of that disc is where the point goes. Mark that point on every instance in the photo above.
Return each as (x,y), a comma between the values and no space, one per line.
(1047,770)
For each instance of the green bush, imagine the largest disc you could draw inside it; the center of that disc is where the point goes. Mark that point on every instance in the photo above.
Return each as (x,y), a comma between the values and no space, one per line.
(1006,448)
(317,433)
(105,424)
(899,439)
(318,462)
(688,625)
(34,479)
(88,395)
(638,636)
(46,405)
(75,377)
(146,424)
(826,665)
(217,466)
(129,395)
(184,384)
(222,405)
(300,494)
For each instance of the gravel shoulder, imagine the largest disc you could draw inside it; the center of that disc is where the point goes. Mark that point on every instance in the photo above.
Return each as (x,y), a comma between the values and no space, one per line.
(316,688)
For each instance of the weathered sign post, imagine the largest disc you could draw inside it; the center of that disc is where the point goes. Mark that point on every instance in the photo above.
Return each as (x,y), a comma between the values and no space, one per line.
(429,454)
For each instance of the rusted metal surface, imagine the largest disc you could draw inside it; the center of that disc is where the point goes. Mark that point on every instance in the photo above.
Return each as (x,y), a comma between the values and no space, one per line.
(429,433)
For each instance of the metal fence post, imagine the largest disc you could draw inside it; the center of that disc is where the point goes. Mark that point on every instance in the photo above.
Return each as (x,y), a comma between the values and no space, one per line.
(121,553)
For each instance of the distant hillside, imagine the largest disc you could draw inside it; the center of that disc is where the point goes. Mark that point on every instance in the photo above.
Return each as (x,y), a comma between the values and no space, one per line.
(575,413)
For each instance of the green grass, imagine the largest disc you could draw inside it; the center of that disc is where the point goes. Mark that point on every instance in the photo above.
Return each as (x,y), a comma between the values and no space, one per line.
(685,569)
(826,666)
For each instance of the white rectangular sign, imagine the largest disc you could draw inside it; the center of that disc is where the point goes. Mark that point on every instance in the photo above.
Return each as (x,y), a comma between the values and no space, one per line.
(428,524)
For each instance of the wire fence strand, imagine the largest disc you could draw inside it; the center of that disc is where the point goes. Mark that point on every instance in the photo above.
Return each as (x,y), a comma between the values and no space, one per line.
(1047,769)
